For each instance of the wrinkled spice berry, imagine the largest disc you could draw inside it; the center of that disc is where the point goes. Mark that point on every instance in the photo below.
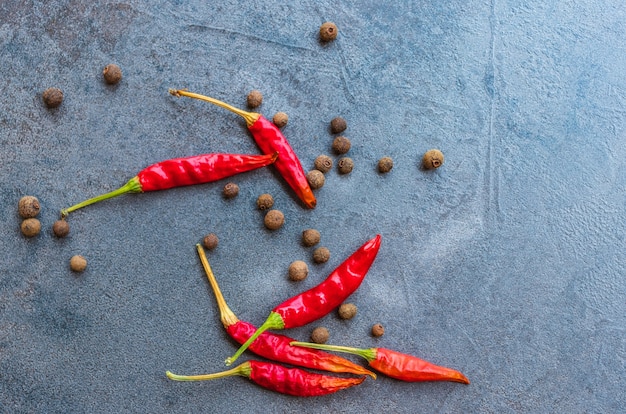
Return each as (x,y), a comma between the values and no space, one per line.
(320,335)
(321,255)
(298,270)
(310,237)
(61,228)
(112,74)
(341,145)
(338,125)
(280,119)
(78,263)
(347,311)
(385,164)
(328,32)
(230,190)
(274,219)
(52,97)
(30,227)
(345,165)
(323,163)
(265,202)
(316,179)
(378,330)
(255,99)
(210,241)
(28,207)
(432,159)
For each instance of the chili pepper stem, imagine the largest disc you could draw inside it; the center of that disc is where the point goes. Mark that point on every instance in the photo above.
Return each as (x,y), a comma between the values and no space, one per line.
(369,353)
(250,117)
(274,321)
(132,186)
(227,316)
(243,370)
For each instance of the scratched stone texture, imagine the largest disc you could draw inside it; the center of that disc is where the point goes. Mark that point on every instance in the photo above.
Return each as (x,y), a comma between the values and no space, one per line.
(507,263)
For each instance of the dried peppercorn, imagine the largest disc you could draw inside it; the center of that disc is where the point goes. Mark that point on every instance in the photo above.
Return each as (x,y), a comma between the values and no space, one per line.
(112,74)
(310,237)
(265,202)
(323,163)
(78,263)
(338,125)
(61,228)
(345,165)
(316,179)
(432,159)
(210,241)
(274,219)
(328,32)
(30,227)
(28,207)
(321,255)
(298,270)
(385,164)
(231,190)
(280,119)
(347,311)
(254,99)
(52,97)
(320,335)
(378,330)
(341,145)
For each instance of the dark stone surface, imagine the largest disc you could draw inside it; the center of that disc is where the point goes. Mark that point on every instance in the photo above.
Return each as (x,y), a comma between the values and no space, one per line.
(507,263)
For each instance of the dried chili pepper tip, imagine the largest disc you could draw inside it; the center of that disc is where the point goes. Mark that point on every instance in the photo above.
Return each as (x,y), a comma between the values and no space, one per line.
(323,163)
(378,330)
(338,125)
(52,97)
(231,190)
(385,164)
(265,202)
(210,241)
(274,219)
(254,99)
(341,145)
(280,119)
(345,165)
(112,74)
(61,228)
(432,159)
(320,335)
(347,310)
(28,207)
(321,255)
(78,263)
(310,237)
(298,271)
(316,179)
(328,32)
(30,227)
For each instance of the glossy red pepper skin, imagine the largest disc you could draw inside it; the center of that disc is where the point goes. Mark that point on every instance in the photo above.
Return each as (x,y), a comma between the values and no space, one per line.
(412,369)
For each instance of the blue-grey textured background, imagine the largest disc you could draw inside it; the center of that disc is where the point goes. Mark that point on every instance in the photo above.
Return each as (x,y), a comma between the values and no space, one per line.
(507,263)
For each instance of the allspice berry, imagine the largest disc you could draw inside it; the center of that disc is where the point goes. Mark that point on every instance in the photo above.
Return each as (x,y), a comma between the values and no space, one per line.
(345,165)
(385,164)
(30,227)
(52,97)
(230,190)
(338,125)
(265,202)
(255,99)
(321,255)
(280,119)
(298,270)
(78,263)
(28,206)
(323,163)
(112,74)
(210,241)
(341,145)
(432,159)
(61,228)
(310,237)
(347,311)
(316,179)
(274,219)
(328,32)
(378,330)
(320,335)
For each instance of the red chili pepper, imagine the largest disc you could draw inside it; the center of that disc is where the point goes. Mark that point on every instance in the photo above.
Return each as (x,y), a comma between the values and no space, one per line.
(275,377)
(178,172)
(272,346)
(321,299)
(270,139)
(396,364)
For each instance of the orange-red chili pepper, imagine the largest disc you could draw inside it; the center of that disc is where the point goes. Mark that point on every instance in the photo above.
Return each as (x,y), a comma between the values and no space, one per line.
(396,364)
(275,377)
(321,299)
(272,346)
(270,139)
(178,172)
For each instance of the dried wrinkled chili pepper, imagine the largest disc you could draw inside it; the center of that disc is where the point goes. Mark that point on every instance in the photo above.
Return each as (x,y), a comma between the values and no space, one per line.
(178,172)
(270,139)
(396,364)
(272,346)
(275,377)
(321,299)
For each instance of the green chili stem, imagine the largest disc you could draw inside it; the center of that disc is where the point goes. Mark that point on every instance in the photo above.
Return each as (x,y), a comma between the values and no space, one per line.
(274,321)
(369,353)
(132,186)
(250,117)
(227,316)
(243,370)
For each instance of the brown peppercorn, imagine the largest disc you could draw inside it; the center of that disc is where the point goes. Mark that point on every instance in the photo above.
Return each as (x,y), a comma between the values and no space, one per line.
(28,206)
(30,227)
(61,228)
(320,335)
(316,179)
(112,74)
(378,330)
(230,190)
(274,219)
(345,165)
(298,270)
(280,119)
(78,263)
(310,237)
(385,164)
(328,32)
(432,159)
(341,145)
(338,125)
(265,201)
(347,311)
(321,255)
(210,241)
(52,97)
(255,99)
(323,163)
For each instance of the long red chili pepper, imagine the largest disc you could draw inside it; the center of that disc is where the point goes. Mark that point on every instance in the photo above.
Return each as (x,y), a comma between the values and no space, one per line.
(270,139)
(396,364)
(272,346)
(321,299)
(178,172)
(275,377)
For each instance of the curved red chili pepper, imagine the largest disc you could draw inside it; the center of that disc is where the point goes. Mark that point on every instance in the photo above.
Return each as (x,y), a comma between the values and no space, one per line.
(272,346)
(321,299)
(270,139)
(177,172)
(396,364)
(275,377)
